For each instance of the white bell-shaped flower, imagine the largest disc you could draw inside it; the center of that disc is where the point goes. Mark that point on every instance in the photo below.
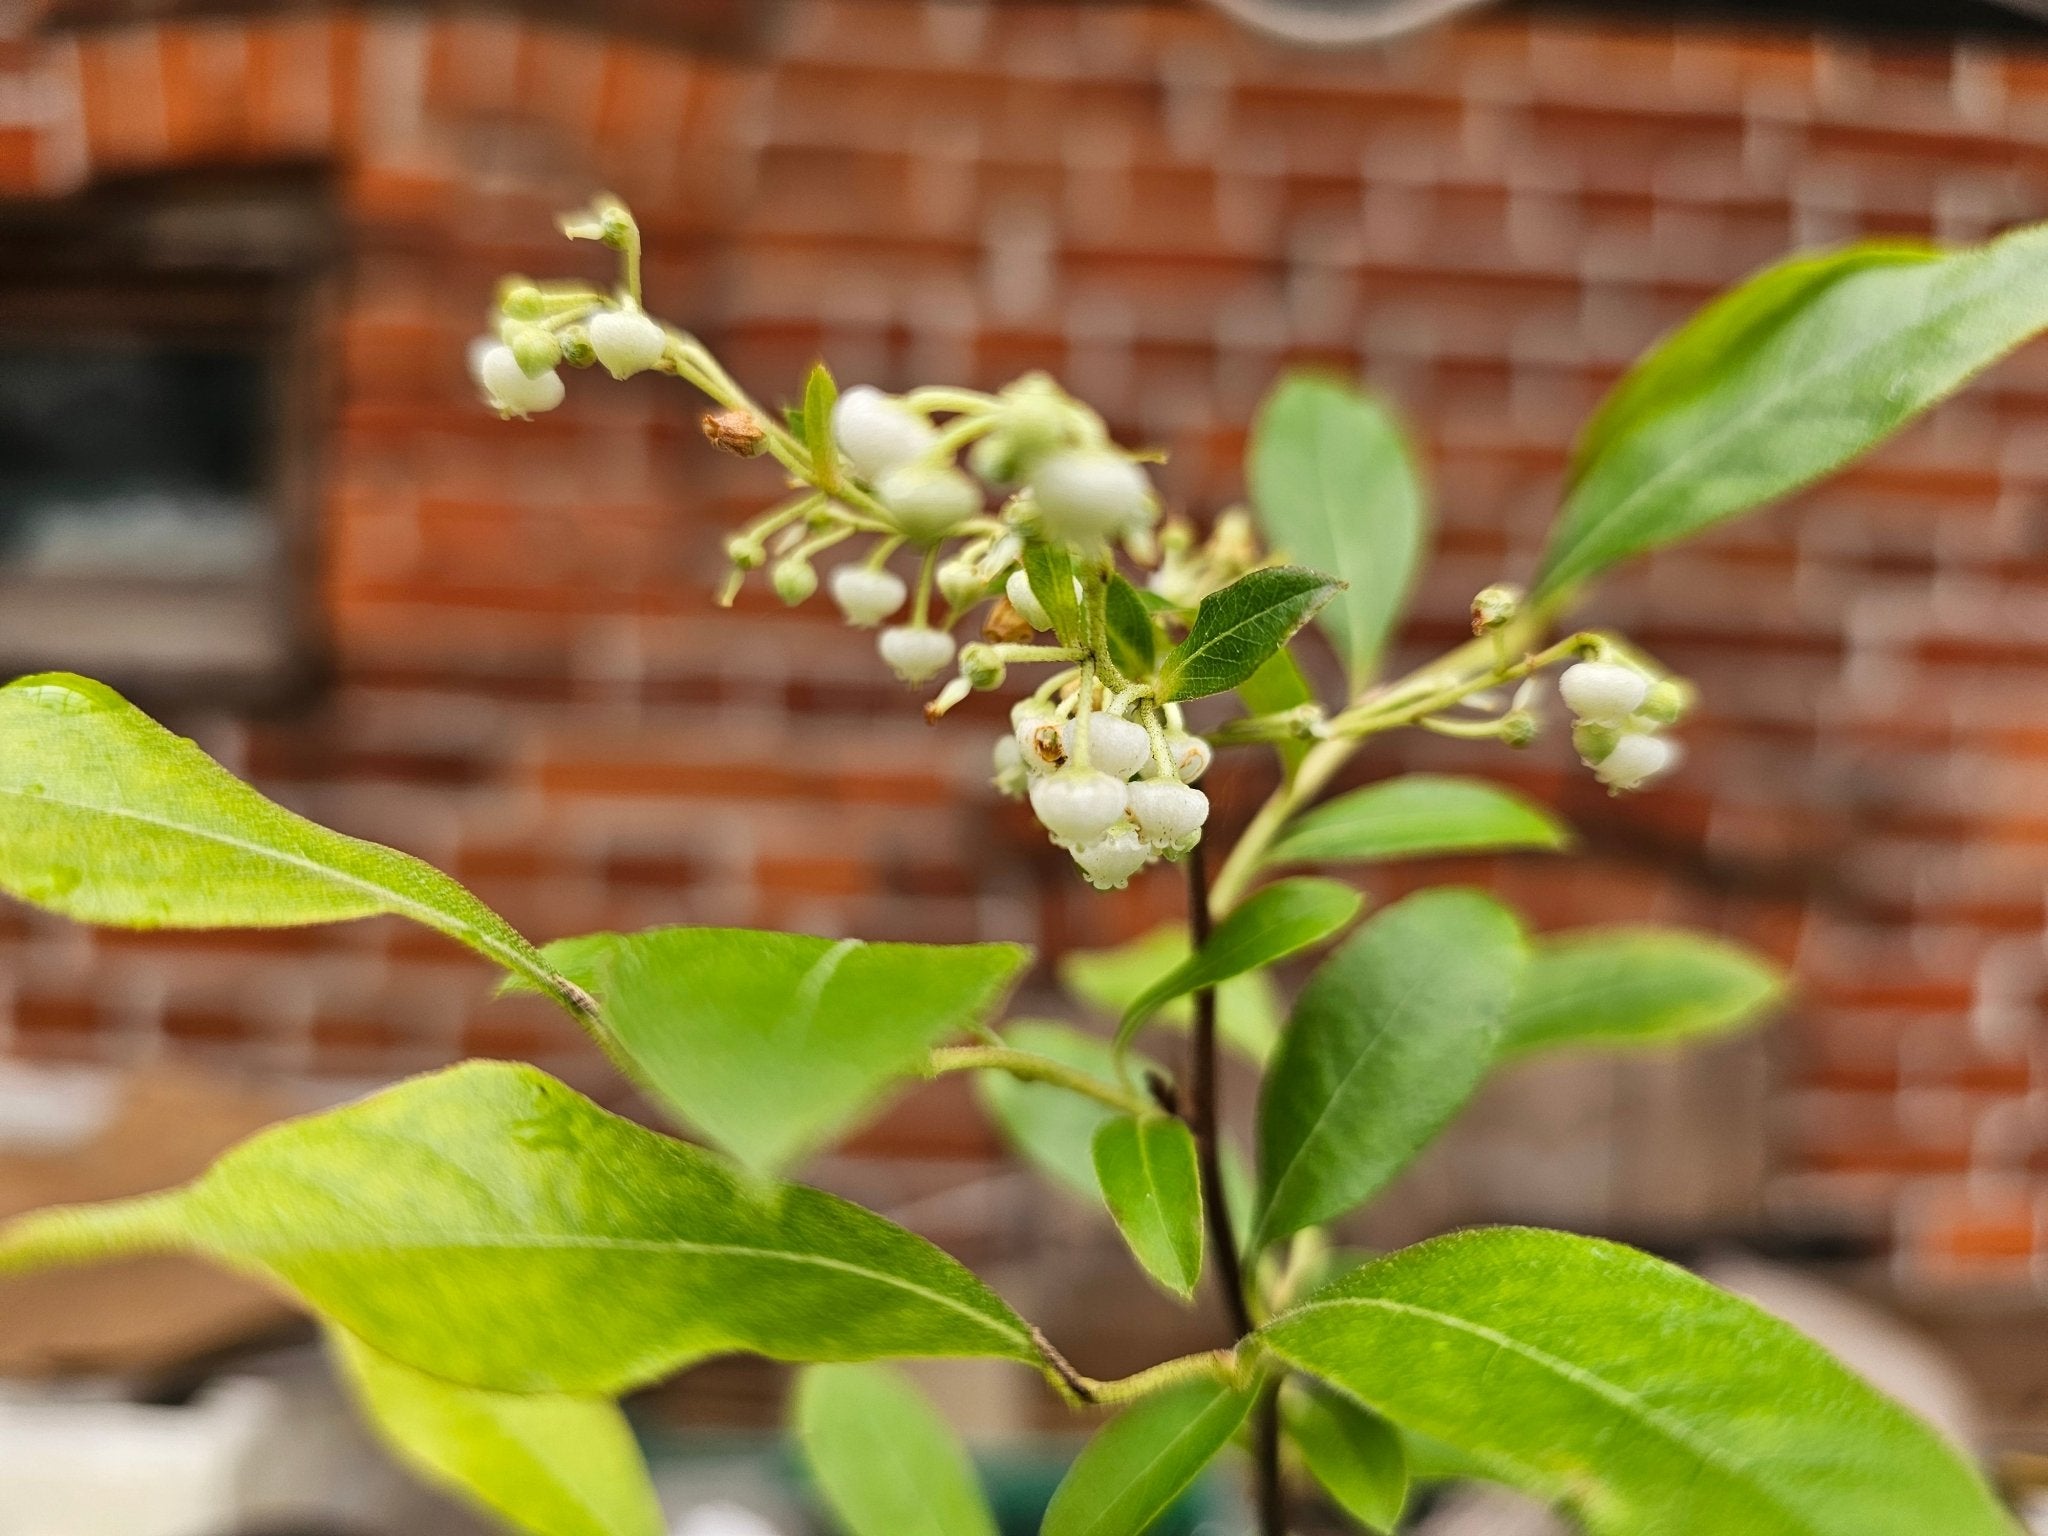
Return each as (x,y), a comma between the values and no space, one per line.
(1636,760)
(1191,755)
(1115,745)
(1018,590)
(626,341)
(1603,691)
(867,595)
(1111,860)
(914,653)
(877,432)
(927,503)
(1086,495)
(1170,814)
(508,387)
(1037,733)
(1011,776)
(1078,805)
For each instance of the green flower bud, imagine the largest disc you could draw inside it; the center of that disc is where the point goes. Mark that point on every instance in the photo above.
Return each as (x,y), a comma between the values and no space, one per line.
(746,554)
(618,226)
(536,349)
(1494,609)
(1519,728)
(524,302)
(794,580)
(577,351)
(982,667)
(1665,703)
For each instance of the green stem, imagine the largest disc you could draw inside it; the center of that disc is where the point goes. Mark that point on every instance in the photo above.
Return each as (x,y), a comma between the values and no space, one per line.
(1213,1365)
(1028,1067)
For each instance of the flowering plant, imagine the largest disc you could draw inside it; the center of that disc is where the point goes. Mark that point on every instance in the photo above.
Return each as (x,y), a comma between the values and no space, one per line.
(496,1259)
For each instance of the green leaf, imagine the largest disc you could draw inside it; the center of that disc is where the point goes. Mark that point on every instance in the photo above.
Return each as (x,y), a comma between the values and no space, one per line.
(1248,1009)
(1153,1187)
(1336,487)
(1049,1127)
(545,1463)
(1389,1038)
(1630,1391)
(108,818)
(1049,568)
(490,1226)
(1277,687)
(1353,1453)
(771,1044)
(1280,920)
(1630,986)
(887,1464)
(1133,638)
(1144,1459)
(1238,628)
(1418,815)
(1784,382)
(821,394)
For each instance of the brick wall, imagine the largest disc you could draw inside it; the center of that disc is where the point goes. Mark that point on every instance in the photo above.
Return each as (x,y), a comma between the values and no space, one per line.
(532,687)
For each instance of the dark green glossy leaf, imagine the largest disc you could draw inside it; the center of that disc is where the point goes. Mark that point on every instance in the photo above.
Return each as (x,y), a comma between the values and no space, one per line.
(107,817)
(1153,1187)
(1248,1008)
(1418,815)
(1629,1391)
(1636,986)
(1784,382)
(1238,628)
(489,1226)
(544,1463)
(887,1464)
(771,1044)
(1133,637)
(1279,920)
(1336,487)
(1050,570)
(1353,1453)
(1389,1038)
(1144,1459)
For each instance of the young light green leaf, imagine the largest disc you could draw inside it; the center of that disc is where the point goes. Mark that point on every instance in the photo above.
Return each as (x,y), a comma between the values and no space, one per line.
(1238,628)
(1277,687)
(1050,571)
(544,1463)
(771,1044)
(491,1227)
(1280,920)
(1418,815)
(1153,1187)
(1336,487)
(1630,986)
(1631,1392)
(1133,637)
(1388,1039)
(108,818)
(887,1464)
(1354,1454)
(821,395)
(1248,1011)
(1145,1458)
(1047,1126)
(1785,382)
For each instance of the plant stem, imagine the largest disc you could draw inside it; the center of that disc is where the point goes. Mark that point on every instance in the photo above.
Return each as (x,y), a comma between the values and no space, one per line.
(1028,1067)
(1200,1110)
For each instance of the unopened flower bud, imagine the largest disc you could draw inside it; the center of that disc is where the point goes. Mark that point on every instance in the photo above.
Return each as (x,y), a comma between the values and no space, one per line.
(577,351)
(745,553)
(1593,741)
(1635,760)
(1115,745)
(1666,702)
(1168,812)
(736,433)
(915,654)
(626,341)
(959,583)
(1087,495)
(927,503)
(878,432)
(867,595)
(1519,728)
(1191,755)
(1111,860)
(1495,609)
(536,348)
(523,301)
(1018,590)
(1603,691)
(617,225)
(509,387)
(794,580)
(1078,805)
(982,667)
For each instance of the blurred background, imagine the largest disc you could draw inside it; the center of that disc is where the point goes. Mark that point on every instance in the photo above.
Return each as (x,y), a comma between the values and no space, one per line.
(244,476)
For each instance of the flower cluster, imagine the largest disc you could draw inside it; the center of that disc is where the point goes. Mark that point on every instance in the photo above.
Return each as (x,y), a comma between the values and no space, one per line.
(1620,713)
